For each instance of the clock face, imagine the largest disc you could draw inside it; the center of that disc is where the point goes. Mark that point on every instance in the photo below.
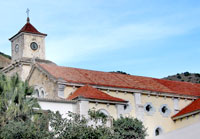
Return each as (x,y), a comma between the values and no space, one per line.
(16,48)
(34,46)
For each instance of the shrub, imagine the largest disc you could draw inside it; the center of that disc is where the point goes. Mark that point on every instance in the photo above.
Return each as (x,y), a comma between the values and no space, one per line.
(178,76)
(186,73)
(76,127)
(197,75)
(23,130)
(129,128)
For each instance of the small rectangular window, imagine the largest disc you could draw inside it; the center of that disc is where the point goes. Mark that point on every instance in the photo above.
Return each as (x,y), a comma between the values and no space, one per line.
(61,89)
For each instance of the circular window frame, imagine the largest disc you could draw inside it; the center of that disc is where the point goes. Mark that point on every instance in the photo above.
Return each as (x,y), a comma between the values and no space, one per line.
(168,111)
(151,111)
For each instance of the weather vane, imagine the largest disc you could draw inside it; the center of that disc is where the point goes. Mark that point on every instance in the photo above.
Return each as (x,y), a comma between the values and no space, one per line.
(27,12)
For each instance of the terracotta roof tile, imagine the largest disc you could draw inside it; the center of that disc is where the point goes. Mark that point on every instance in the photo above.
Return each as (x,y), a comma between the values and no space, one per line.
(92,93)
(181,87)
(75,75)
(29,28)
(142,83)
(192,107)
(102,78)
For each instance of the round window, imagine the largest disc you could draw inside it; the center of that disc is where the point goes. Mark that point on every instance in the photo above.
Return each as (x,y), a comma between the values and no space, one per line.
(149,109)
(164,110)
(34,46)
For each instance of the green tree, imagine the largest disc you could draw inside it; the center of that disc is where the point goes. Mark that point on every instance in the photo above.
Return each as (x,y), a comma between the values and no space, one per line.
(77,127)
(15,99)
(129,128)
(25,130)
(20,114)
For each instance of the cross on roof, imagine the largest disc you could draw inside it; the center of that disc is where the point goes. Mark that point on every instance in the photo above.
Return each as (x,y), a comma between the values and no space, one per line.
(27,12)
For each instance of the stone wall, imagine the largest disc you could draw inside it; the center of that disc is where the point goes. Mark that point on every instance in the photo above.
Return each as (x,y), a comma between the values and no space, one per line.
(24,40)
(40,80)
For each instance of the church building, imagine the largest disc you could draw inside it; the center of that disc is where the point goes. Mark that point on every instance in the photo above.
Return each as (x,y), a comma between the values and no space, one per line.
(162,105)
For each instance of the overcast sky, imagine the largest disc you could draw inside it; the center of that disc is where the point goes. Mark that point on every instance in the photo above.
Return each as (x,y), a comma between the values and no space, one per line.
(141,37)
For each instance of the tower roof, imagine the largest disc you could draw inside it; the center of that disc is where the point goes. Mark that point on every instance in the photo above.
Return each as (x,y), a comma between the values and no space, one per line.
(28,28)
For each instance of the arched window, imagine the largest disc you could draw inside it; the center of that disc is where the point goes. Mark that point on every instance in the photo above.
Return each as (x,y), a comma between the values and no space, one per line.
(158,131)
(37,93)
(42,94)
(105,112)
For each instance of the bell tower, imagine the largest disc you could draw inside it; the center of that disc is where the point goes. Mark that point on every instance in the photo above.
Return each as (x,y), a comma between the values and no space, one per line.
(28,42)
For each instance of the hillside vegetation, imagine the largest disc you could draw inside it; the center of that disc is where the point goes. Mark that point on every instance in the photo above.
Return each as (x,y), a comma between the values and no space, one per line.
(5,55)
(5,60)
(185,77)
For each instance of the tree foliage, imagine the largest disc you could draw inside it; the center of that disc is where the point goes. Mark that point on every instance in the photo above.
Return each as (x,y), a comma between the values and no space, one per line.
(24,130)
(76,126)
(121,72)
(15,100)
(5,55)
(20,114)
(97,116)
(129,128)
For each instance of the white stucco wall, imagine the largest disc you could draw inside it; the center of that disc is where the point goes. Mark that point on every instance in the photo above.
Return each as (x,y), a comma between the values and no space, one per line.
(63,108)
(188,132)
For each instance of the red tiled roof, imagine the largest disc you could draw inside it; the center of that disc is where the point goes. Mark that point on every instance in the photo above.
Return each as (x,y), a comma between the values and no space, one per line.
(181,87)
(92,93)
(29,28)
(192,107)
(75,75)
